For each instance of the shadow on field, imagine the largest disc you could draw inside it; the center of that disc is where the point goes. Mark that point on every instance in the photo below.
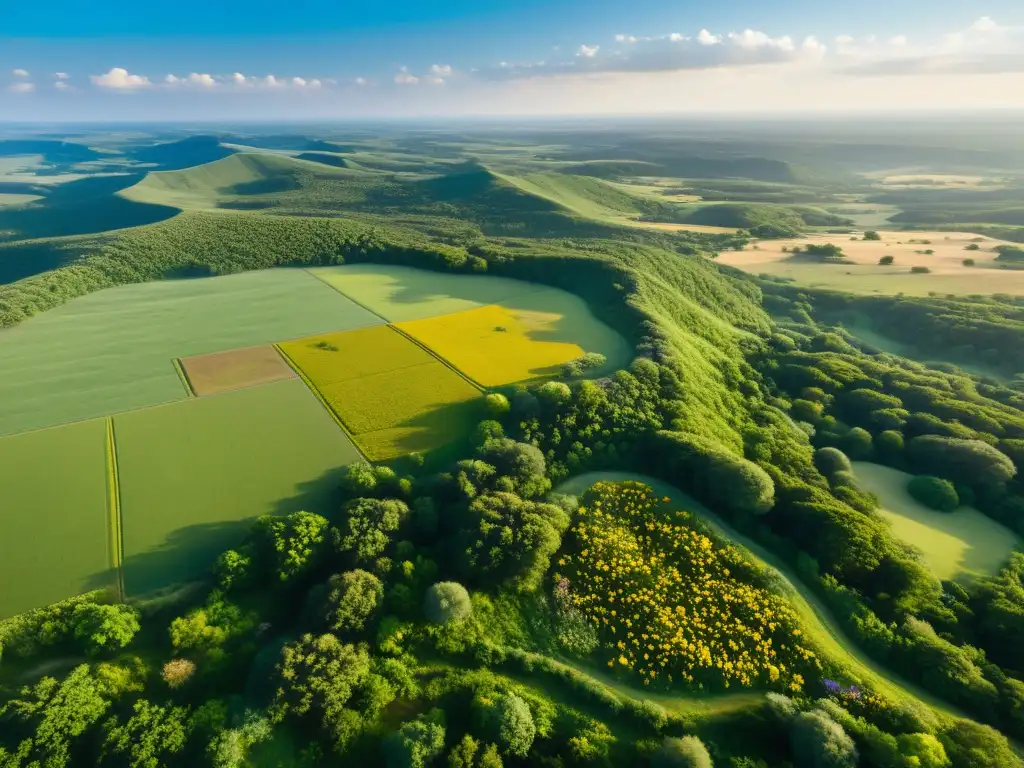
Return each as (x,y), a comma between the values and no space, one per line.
(188,552)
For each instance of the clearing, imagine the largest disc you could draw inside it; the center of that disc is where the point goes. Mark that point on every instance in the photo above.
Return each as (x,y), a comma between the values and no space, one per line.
(113,350)
(194,473)
(957,545)
(390,393)
(54,530)
(238,369)
(861,272)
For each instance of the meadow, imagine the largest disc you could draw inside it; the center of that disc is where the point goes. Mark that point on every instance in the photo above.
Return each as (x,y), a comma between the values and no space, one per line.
(113,350)
(390,394)
(54,530)
(960,545)
(220,372)
(192,472)
(861,272)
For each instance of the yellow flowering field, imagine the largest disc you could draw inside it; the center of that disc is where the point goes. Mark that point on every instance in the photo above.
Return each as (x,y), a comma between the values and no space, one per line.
(672,606)
(495,345)
(392,396)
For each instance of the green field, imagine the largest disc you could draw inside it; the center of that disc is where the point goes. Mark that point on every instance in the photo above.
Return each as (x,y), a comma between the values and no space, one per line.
(54,535)
(192,472)
(111,351)
(960,545)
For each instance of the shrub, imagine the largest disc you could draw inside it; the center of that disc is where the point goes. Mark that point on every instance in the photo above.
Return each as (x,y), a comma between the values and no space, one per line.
(831,460)
(857,443)
(415,744)
(973,247)
(970,462)
(447,601)
(820,742)
(919,270)
(555,392)
(872,235)
(886,260)
(104,627)
(497,404)
(515,727)
(934,492)
(968,262)
(177,672)
(687,752)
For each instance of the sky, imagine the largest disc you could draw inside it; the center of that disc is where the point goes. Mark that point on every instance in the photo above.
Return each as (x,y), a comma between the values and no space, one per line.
(68,60)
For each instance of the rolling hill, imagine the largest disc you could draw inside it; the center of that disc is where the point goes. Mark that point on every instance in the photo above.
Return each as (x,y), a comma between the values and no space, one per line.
(195,150)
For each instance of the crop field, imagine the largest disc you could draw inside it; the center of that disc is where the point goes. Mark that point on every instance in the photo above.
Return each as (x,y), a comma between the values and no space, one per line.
(54,533)
(193,472)
(524,338)
(393,396)
(237,369)
(861,272)
(960,545)
(400,293)
(113,350)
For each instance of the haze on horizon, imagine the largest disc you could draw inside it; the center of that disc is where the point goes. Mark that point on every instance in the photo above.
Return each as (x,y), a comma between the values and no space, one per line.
(560,58)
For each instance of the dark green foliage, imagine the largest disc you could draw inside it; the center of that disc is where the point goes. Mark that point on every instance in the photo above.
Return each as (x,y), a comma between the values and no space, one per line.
(872,235)
(446,602)
(463,754)
(885,261)
(971,462)
(831,460)
(920,270)
(934,492)
(352,600)
(149,738)
(290,545)
(47,720)
(857,443)
(415,744)
(509,539)
(233,570)
(522,463)
(497,404)
(687,752)
(369,528)
(820,742)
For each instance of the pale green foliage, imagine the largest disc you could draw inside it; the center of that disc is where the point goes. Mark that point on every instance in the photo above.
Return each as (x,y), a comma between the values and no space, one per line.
(210,627)
(368,528)
(463,754)
(233,569)
(922,750)
(497,404)
(294,542)
(515,728)
(447,601)
(415,744)
(687,752)
(820,742)
(352,599)
(150,736)
(318,674)
(231,748)
(104,627)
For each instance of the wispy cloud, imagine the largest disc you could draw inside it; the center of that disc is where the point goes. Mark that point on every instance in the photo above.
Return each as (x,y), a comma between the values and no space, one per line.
(405,77)
(21,87)
(19,72)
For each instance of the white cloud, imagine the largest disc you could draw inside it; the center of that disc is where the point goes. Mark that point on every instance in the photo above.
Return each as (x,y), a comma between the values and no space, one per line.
(898,41)
(19,72)
(21,88)
(588,52)
(119,79)
(984,24)
(361,81)
(60,85)
(441,70)
(625,39)
(706,38)
(239,79)
(61,75)
(404,77)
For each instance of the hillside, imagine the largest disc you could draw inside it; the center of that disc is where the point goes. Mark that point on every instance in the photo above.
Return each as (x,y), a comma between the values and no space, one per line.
(185,153)
(327,158)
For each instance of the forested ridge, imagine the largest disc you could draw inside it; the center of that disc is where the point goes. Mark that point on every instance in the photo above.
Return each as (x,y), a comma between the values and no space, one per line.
(430,620)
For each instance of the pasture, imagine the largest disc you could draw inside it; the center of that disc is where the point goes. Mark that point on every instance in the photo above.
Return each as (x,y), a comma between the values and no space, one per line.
(861,272)
(393,396)
(960,545)
(238,369)
(112,351)
(193,472)
(54,526)
(522,338)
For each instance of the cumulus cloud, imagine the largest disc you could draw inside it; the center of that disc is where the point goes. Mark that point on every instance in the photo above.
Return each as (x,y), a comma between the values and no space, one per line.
(404,77)
(588,52)
(61,75)
(196,80)
(441,70)
(19,72)
(118,79)
(21,87)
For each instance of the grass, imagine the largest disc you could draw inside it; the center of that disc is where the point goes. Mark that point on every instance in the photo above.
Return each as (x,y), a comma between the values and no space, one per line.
(237,369)
(54,531)
(527,337)
(390,394)
(961,545)
(192,473)
(400,293)
(10,199)
(112,351)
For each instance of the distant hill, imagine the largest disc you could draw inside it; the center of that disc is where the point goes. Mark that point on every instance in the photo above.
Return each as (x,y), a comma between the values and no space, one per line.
(614,169)
(772,220)
(172,155)
(288,141)
(326,158)
(52,151)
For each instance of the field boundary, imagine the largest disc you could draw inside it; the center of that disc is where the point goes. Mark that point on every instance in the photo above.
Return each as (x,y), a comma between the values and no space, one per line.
(183,376)
(323,401)
(341,292)
(115,519)
(433,354)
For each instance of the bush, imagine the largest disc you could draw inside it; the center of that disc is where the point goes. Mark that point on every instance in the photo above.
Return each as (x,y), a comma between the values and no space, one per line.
(886,260)
(934,492)
(973,247)
(968,262)
(687,752)
(497,404)
(104,627)
(831,460)
(820,742)
(515,727)
(919,270)
(872,235)
(970,462)
(352,599)
(446,602)
(857,443)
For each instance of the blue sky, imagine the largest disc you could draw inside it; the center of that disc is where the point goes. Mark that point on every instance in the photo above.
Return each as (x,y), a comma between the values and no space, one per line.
(315,58)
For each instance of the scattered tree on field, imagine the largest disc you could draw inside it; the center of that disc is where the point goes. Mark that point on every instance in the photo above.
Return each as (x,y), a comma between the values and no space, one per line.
(872,235)
(886,260)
